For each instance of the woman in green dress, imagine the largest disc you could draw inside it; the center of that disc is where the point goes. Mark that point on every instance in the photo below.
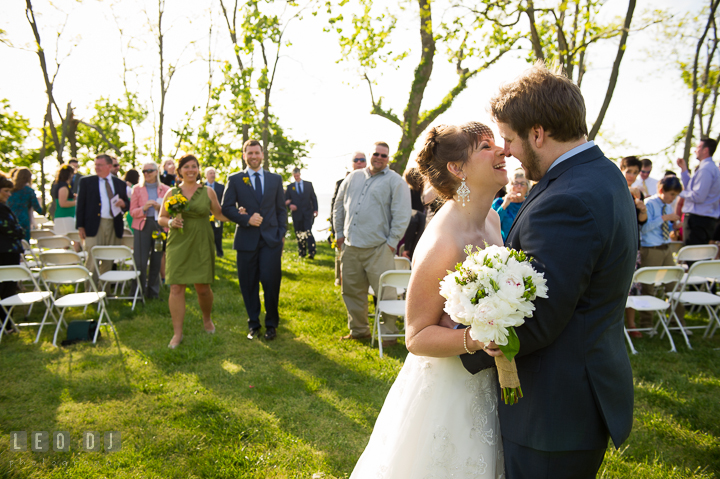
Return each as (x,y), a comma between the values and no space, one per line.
(64,201)
(190,253)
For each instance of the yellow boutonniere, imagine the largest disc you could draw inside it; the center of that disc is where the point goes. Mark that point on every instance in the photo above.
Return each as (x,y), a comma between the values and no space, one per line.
(212,217)
(246,180)
(293,187)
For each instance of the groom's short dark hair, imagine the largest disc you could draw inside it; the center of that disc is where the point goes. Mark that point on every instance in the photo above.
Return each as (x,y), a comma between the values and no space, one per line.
(542,97)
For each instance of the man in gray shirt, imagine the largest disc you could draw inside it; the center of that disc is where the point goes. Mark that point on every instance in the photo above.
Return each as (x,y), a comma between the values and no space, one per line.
(370,215)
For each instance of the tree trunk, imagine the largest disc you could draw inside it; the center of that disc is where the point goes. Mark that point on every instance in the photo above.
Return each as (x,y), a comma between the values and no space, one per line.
(233,36)
(691,124)
(71,131)
(534,37)
(615,71)
(30,15)
(417,91)
(42,165)
(163,88)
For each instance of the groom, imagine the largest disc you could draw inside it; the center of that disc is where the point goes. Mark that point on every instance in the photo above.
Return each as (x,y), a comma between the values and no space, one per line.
(579,225)
(259,236)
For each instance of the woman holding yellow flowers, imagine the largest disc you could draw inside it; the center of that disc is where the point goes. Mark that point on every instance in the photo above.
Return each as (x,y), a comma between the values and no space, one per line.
(145,210)
(190,245)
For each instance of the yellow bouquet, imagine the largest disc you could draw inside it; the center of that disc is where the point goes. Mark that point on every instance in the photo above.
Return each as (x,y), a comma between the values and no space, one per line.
(175,205)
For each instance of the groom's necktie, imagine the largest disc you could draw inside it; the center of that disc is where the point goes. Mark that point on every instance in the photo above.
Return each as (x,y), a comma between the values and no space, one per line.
(665,226)
(258,187)
(300,188)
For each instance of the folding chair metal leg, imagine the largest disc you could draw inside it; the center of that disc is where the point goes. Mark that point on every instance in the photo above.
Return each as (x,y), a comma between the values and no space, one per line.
(48,311)
(61,321)
(6,321)
(103,311)
(713,324)
(379,333)
(629,341)
(663,318)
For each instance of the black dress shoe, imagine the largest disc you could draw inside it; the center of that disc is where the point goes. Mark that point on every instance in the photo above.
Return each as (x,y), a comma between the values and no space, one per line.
(270,334)
(253,333)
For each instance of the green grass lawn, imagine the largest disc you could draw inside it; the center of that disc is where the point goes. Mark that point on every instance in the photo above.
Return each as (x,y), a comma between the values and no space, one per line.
(300,406)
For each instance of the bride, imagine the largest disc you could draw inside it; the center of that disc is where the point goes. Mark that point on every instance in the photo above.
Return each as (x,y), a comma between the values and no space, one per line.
(438,420)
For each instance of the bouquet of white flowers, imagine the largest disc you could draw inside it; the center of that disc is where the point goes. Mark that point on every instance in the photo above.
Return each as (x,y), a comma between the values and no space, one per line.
(492,292)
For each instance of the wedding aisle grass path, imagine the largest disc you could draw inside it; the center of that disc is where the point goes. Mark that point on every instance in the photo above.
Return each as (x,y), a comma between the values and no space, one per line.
(302,406)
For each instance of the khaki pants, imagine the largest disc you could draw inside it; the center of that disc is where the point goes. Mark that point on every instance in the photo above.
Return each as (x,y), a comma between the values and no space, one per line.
(337,267)
(104,237)
(360,268)
(658,256)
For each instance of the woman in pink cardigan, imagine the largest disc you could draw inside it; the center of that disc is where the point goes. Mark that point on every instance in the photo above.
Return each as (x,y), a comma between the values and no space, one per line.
(145,205)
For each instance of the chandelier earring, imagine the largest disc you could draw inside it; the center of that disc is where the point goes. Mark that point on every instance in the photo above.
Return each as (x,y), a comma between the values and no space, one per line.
(463,192)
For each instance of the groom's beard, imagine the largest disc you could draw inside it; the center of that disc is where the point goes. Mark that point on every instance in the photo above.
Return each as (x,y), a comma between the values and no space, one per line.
(531,163)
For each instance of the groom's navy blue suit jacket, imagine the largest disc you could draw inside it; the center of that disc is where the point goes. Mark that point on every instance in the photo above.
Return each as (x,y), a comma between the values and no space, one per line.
(239,192)
(579,225)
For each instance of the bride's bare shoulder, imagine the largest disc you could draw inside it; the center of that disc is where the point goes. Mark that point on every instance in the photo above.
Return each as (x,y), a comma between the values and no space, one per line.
(438,247)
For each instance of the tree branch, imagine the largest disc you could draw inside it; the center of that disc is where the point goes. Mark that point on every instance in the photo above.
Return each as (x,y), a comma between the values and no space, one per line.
(377,108)
(102,135)
(429,116)
(615,71)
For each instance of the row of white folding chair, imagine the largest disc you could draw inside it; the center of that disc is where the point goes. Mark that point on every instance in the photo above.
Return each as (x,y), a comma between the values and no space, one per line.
(73,274)
(55,276)
(398,279)
(656,276)
(665,309)
(119,254)
(710,270)
(122,255)
(20,273)
(692,253)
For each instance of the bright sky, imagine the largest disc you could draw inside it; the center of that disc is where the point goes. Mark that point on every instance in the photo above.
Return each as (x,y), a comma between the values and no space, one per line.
(315,97)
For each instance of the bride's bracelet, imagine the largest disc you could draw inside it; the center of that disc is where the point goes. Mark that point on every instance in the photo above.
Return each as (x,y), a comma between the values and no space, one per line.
(465,341)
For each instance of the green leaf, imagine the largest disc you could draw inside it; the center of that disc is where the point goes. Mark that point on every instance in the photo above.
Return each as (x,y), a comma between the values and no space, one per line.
(513,345)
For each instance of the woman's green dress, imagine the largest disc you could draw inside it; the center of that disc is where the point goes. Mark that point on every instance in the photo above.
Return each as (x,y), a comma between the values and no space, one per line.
(190,255)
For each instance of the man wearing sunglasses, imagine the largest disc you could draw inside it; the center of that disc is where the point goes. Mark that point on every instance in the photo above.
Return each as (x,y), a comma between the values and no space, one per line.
(646,184)
(358,162)
(370,215)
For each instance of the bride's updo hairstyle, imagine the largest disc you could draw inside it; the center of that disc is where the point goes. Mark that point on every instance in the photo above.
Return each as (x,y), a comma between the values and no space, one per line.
(445,144)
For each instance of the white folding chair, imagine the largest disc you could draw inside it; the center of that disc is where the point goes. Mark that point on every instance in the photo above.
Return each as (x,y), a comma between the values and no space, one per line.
(121,254)
(700,252)
(29,256)
(656,276)
(59,275)
(59,258)
(21,273)
(128,241)
(709,301)
(402,263)
(74,236)
(398,279)
(35,234)
(55,242)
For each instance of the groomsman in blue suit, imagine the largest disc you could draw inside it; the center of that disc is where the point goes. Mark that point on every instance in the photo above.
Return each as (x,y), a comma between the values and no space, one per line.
(210,176)
(302,201)
(259,236)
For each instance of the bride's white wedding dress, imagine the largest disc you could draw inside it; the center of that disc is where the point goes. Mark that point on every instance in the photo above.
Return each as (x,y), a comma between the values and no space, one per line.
(438,421)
